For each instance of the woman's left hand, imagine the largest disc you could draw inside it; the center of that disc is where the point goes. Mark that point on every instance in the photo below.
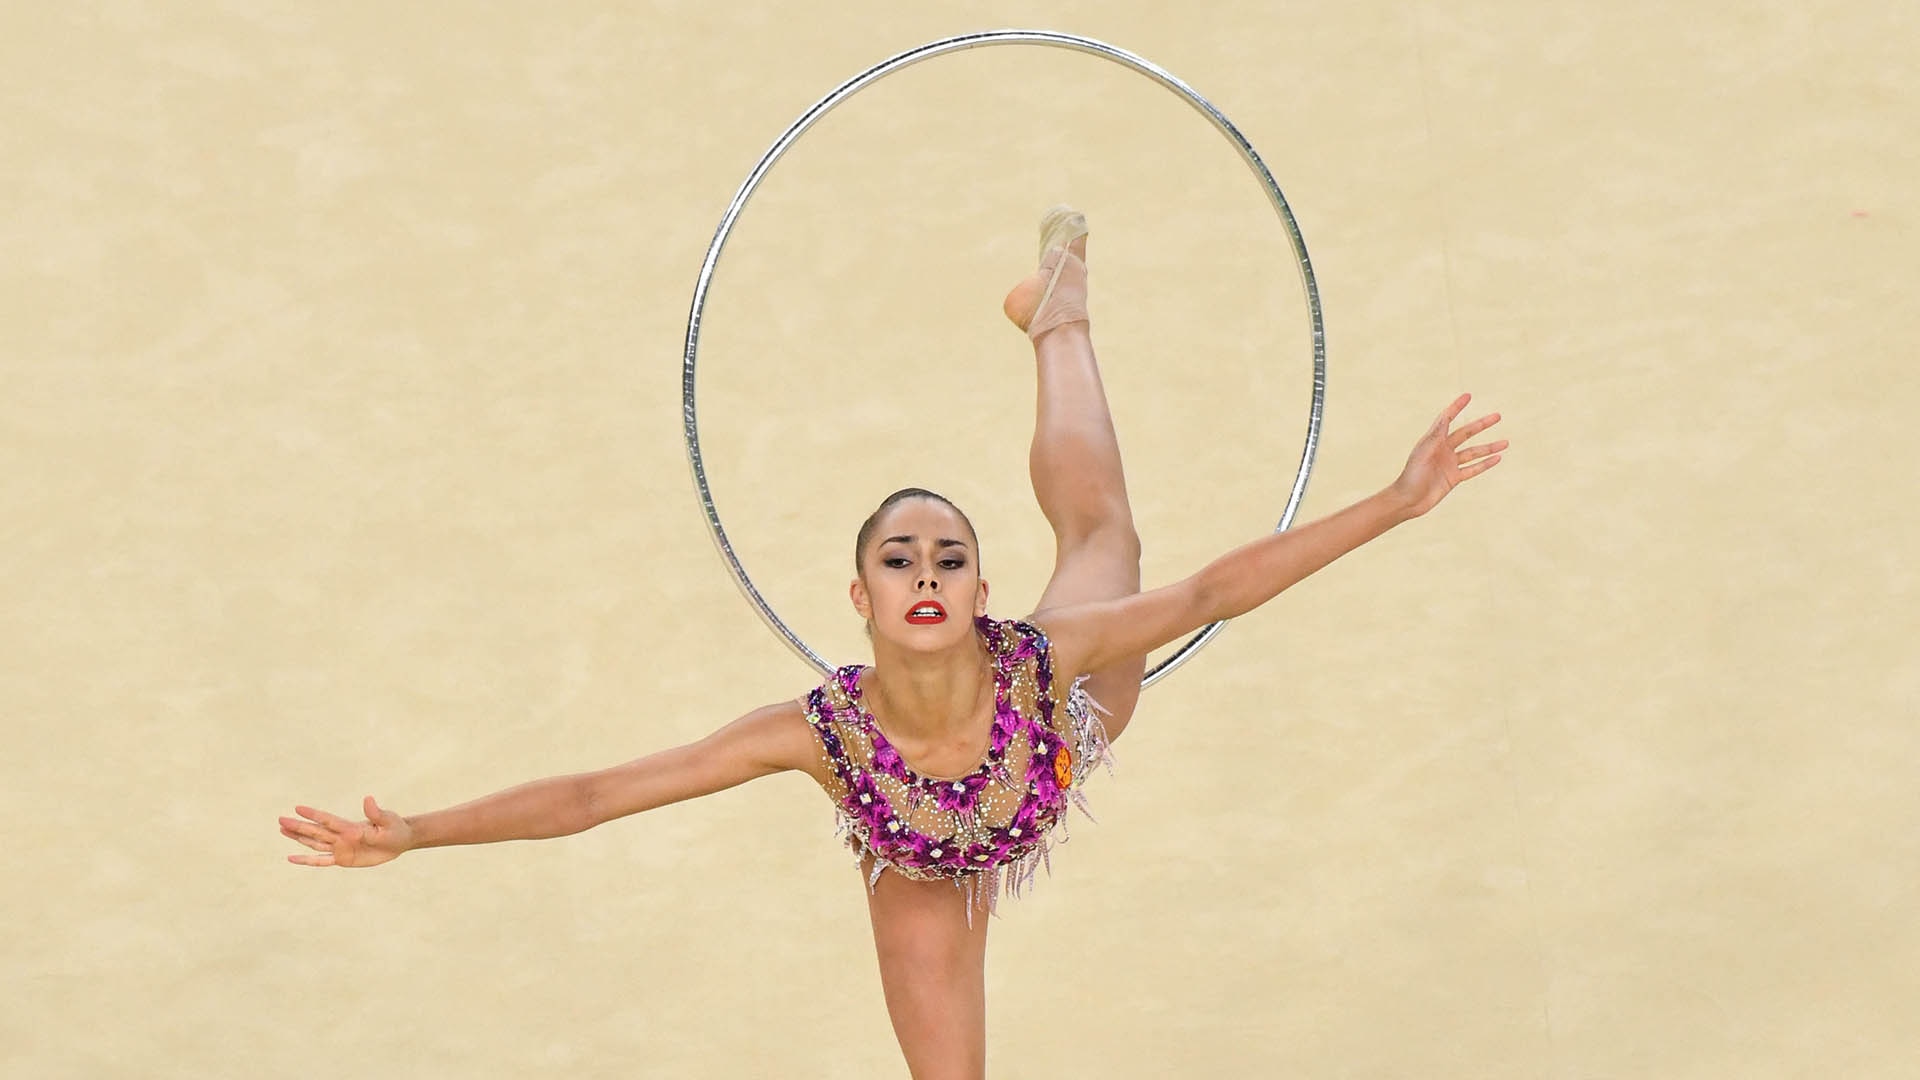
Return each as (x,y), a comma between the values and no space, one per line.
(1438,464)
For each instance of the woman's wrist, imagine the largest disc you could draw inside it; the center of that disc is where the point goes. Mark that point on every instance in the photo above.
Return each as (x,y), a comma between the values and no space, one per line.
(1396,504)
(419,832)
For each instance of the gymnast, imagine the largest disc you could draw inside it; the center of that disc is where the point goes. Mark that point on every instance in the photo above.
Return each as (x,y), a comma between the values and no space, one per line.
(952,759)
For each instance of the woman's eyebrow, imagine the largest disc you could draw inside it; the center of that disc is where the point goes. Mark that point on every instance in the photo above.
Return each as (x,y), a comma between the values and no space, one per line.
(944,542)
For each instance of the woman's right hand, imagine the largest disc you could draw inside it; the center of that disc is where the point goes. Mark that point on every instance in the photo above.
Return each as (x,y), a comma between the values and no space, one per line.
(1438,464)
(383,837)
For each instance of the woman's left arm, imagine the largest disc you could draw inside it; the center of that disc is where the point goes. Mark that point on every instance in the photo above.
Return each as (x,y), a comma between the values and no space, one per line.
(1088,637)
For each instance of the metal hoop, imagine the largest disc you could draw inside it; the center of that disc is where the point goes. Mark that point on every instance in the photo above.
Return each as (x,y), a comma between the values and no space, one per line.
(869,77)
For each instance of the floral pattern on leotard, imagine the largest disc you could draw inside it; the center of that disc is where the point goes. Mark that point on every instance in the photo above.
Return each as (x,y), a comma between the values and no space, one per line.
(991,829)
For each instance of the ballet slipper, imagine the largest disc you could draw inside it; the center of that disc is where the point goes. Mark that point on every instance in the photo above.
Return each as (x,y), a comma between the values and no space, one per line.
(1055,294)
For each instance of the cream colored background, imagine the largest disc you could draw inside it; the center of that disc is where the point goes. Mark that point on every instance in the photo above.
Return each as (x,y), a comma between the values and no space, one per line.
(341,455)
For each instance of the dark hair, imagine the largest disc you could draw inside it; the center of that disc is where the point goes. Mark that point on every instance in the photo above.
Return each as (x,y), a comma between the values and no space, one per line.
(865,535)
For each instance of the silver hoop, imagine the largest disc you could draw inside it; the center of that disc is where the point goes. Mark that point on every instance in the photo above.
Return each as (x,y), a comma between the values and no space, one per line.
(869,77)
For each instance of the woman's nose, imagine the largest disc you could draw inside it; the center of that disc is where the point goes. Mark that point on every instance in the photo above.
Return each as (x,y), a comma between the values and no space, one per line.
(930,583)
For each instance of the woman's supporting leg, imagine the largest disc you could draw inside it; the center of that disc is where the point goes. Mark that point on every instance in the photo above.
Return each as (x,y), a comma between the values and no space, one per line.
(1077,477)
(933,967)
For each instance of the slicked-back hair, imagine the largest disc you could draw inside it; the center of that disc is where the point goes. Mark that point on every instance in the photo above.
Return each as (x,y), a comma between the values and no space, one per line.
(865,536)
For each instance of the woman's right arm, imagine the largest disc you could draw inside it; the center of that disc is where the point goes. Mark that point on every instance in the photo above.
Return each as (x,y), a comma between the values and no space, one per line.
(765,741)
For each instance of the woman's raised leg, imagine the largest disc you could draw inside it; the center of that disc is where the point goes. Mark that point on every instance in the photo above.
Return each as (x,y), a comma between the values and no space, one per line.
(1075,458)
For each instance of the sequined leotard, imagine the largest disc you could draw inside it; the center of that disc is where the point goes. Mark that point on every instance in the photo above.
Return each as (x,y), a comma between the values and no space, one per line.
(992,828)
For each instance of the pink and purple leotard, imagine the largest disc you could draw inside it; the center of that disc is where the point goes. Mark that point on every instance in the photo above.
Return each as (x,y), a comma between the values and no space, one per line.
(992,828)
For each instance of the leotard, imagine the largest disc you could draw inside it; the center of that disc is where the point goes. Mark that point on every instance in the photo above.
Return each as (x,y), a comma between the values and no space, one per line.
(991,829)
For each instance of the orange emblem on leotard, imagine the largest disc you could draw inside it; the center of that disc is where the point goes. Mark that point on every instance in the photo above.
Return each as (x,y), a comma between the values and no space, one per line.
(1063,768)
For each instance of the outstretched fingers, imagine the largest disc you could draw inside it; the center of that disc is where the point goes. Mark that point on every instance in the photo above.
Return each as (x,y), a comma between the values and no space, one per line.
(321,816)
(1447,415)
(311,835)
(1468,431)
(1438,463)
(1475,460)
(1475,453)
(1468,472)
(320,831)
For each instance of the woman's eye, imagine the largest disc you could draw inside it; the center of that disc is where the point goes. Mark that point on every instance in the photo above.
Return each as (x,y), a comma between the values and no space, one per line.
(894,561)
(953,564)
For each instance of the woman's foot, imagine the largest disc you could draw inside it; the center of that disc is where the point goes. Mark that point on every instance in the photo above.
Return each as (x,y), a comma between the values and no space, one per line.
(1055,294)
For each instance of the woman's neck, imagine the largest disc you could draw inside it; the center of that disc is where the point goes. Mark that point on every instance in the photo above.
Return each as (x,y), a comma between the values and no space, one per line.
(931,697)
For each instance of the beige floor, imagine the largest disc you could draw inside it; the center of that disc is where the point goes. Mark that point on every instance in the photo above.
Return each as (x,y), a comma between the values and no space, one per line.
(339,417)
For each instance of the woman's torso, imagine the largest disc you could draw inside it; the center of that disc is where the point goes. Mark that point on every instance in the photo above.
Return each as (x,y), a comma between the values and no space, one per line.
(994,824)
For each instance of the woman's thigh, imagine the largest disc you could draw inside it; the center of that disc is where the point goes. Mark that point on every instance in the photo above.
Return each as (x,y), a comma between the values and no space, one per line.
(1101,568)
(933,971)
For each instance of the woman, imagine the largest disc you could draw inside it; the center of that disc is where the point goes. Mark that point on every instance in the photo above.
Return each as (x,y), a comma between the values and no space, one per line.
(952,759)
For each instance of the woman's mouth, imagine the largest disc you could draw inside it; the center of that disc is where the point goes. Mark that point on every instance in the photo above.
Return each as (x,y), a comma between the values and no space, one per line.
(927,613)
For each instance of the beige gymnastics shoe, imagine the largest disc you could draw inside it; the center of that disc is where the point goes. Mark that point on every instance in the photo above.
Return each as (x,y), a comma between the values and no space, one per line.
(1055,294)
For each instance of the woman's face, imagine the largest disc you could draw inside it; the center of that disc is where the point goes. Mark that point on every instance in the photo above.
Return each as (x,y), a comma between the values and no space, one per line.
(919,586)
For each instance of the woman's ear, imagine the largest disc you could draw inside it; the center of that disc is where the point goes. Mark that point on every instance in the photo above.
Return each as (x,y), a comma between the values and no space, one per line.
(862,603)
(980,599)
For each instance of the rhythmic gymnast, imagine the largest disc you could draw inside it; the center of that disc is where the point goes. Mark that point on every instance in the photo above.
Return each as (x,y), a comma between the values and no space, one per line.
(951,760)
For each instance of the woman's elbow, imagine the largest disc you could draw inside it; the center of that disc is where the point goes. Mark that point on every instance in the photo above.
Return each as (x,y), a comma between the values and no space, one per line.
(1208,598)
(594,801)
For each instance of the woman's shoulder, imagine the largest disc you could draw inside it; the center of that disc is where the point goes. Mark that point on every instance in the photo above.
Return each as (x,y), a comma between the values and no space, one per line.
(834,698)
(773,738)
(1018,644)
(1008,636)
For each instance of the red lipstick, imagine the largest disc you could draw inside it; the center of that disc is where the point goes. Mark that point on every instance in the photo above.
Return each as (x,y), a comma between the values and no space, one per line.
(927,613)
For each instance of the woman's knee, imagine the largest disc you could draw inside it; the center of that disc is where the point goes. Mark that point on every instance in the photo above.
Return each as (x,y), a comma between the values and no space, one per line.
(1109,537)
